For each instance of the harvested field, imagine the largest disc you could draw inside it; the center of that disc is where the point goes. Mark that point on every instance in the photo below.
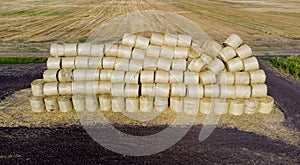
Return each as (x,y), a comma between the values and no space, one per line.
(34,25)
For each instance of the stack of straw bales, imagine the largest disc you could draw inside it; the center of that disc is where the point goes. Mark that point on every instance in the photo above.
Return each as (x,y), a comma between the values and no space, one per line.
(153,73)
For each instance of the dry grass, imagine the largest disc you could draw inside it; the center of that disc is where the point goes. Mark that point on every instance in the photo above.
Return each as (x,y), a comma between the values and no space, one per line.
(273,22)
(15,111)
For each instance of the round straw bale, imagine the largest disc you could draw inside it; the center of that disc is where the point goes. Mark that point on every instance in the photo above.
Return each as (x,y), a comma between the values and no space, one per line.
(132,104)
(266,105)
(225,77)
(195,91)
(235,65)
(196,65)
(181,53)
(138,54)
(216,66)
(37,104)
(162,90)
(153,51)
(51,104)
(233,41)
(160,104)
(91,103)
(146,104)
(124,51)
(170,40)
(118,90)
(122,64)
(65,103)
(236,107)
(227,91)
(191,106)
(257,77)
(82,62)
(68,63)
(242,91)
(118,76)
(195,51)
(70,50)
(129,39)
(65,89)
(206,106)
(65,75)
(147,76)
(184,40)
(227,53)
(37,87)
(150,63)
(191,77)
(176,104)
(132,90)
(221,106)
(50,89)
(118,104)
(78,103)
(105,75)
(212,48)
(242,78)
(148,90)
(105,87)
(111,50)
(97,50)
(108,62)
(178,90)
(105,102)
(164,64)
(95,63)
(207,77)
(92,88)
(211,91)
(132,77)
(244,51)
(84,49)
(54,63)
(179,64)
(79,74)
(251,64)
(167,52)
(259,90)
(78,88)
(251,106)
(157,39)
(205,58)
(142,42)
(57,50)
(135,65)
(176,76)
(162,77)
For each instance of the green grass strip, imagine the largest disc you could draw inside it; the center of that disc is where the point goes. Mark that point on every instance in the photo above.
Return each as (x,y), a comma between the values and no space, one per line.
(22,60)
(289,65)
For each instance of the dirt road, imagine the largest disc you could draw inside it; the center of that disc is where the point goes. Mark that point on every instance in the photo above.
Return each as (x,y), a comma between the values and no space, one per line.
(73,144)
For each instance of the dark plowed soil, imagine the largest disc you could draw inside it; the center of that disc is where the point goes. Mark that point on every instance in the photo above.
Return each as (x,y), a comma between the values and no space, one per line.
(16,77)
(74,145)
(286,92)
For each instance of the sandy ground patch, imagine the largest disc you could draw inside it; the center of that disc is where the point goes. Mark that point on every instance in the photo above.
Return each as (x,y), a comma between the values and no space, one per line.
(15,111)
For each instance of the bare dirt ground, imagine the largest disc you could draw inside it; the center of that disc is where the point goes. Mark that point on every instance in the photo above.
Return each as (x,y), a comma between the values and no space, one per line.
(267,139)
(269,26)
